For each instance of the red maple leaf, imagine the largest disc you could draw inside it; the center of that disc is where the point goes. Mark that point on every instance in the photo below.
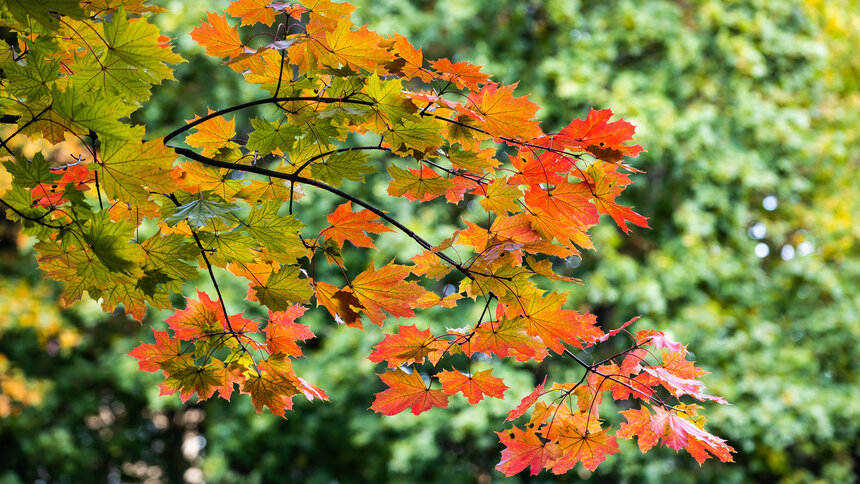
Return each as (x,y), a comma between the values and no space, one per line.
(282,332)
(462,74)
(204,317)
(523,448)
(526,402)
(150,356)
(407,390)
(596,130)
(473,387)
(410,345)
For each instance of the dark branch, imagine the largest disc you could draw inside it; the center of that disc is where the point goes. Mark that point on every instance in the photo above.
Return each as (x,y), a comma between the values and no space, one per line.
(271,100)
(346,196)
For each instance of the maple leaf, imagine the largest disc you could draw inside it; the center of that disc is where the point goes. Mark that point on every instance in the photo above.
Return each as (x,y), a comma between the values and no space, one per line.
(505,115)
(606,185)
(407,390)
(417,185)
(252,11)
(137,44)
(342,304)
(203,317)
(638,424)
(351,226)
(615,331)
(462,74)
(500,197)
(505,337)
(595,130)
(527,402)
(678,432)
(659,340)
(473,387)
(409,345)
(280,288)
(150,356)
(413,59)
(386,289)
(128,169)
(282,332)
(590,448)
(544,318)
(429,264)
(523,448)
(213,134)
(678,376)
(360,48)
(569,202)
(218,37)
(188,378)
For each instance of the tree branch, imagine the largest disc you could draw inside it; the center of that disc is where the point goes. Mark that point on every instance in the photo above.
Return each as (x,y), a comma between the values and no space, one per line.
(270,100)
(346,196)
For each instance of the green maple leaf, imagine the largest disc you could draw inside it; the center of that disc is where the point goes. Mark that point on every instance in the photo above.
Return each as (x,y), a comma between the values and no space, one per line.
(29,173)
(110,79)
(391,106)
(136,43)
(44,11)
(164,264)
(88,110)
(32,81)
(267,137)
(277,233)
(227,247)
(134,298)
(110,242)
(415,138)
(128,168)
(201,211)
(350,165)
(283,288)
(416,184)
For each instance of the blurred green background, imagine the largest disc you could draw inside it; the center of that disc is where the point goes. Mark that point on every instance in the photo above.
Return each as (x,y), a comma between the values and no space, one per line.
(750,112)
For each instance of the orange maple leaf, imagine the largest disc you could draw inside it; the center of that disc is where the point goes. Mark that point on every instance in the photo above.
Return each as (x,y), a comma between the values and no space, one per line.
(351,226)
(473,387)
(282,332)
(505,115)
(253,11)
(409,345)
(523,448)
(407,390)
(386,289)
(590,448)
(218,37)
(462,74)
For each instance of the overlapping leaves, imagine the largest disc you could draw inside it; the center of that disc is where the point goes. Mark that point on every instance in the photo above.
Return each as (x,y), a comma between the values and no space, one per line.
(236,203)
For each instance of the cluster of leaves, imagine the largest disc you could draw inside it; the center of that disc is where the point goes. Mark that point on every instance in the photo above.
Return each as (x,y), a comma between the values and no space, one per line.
(128,223)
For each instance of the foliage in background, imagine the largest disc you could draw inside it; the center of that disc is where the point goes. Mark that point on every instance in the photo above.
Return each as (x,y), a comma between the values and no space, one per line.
(705,114)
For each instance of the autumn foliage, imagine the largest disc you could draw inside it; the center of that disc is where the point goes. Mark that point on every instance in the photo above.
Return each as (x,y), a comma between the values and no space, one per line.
(129,221)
